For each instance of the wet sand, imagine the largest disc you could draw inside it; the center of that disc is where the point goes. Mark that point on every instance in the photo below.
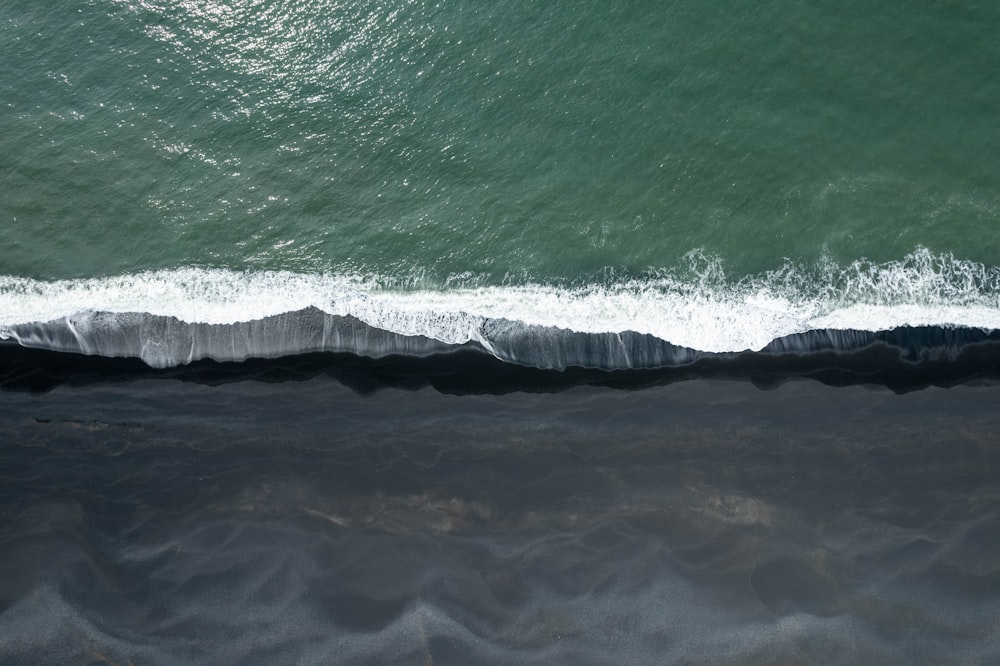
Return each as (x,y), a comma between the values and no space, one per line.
(274,513)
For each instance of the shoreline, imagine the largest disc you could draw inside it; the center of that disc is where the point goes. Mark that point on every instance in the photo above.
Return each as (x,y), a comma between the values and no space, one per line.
(901,360)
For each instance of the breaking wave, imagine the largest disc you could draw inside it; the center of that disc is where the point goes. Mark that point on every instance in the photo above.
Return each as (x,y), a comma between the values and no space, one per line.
(172,317)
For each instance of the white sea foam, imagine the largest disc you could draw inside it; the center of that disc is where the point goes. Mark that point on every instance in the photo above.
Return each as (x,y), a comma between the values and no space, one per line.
(700,308)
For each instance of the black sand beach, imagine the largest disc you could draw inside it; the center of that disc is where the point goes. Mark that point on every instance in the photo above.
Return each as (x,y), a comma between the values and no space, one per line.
(330,509)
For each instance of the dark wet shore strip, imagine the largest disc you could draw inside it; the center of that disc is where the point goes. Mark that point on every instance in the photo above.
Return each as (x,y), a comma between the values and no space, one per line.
(896,360)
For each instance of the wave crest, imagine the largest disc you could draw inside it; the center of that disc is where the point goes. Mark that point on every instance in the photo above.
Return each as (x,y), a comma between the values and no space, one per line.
(176,316)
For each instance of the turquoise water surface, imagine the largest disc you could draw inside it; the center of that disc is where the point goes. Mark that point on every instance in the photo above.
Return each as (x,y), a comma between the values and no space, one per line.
(830,153)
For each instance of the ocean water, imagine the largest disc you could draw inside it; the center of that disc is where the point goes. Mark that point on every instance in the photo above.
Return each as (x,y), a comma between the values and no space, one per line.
(714,177)
(483,248)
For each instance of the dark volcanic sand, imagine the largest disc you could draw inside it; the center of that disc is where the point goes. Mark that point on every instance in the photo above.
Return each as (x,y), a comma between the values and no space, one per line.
(234,520)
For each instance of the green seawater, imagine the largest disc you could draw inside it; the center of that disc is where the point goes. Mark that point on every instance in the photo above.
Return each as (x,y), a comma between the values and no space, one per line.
(508,141)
